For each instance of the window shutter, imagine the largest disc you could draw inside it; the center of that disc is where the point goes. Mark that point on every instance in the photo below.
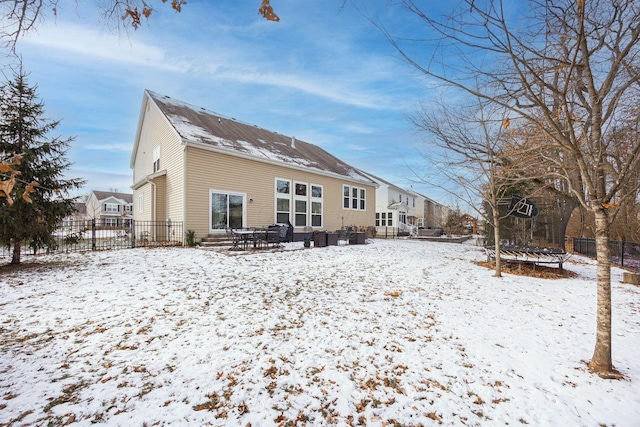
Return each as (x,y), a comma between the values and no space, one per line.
(104,207)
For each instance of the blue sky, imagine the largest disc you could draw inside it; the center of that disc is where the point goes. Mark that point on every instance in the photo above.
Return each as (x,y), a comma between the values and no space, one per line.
(323,74)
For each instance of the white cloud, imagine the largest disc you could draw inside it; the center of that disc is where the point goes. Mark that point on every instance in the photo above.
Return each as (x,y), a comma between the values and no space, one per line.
(109,147)
(84,42)
(343,77)
(313,86)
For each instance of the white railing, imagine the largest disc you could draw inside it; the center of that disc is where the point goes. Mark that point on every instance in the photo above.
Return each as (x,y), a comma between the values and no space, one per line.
(408,228)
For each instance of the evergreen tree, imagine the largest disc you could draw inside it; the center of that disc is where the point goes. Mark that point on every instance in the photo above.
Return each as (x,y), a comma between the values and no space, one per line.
(23,132)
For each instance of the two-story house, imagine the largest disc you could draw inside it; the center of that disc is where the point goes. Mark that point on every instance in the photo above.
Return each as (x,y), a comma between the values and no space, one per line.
(403,212)
(429,213)
(109,209)
(212,172)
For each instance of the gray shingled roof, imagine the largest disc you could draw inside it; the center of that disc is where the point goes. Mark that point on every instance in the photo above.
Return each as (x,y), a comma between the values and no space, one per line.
(198,125)
(80,207)
(101,195)
(377,178)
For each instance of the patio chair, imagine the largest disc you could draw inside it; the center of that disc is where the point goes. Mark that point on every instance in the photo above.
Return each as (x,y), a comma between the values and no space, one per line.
(274,236)
(344,234)
(308,234)
(234,238)
(259,238)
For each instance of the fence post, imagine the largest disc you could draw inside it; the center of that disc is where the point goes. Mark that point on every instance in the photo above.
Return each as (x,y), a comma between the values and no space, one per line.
(93,234)
(622,252)
(133,233)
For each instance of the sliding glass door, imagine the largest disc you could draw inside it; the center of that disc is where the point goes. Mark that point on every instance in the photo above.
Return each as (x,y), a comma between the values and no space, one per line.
(227,210)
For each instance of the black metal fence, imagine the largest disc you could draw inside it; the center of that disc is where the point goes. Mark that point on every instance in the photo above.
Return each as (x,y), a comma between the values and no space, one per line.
(623,253)
(86,235)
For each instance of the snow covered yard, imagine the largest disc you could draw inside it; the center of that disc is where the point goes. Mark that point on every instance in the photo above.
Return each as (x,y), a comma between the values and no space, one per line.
(395,333)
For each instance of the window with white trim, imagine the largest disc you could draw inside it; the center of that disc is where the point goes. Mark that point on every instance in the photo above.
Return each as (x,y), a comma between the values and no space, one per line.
(346,198)
(112,207)
(316,205)
(156,159)
(228,209)
(299,202)
(283,201)
(141,203)
(110,222)
(354,198)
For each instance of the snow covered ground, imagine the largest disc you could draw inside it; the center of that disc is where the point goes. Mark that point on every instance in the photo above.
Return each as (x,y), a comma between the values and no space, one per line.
(386,334)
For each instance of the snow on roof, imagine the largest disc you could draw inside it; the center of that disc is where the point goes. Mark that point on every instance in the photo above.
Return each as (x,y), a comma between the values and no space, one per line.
(198,125)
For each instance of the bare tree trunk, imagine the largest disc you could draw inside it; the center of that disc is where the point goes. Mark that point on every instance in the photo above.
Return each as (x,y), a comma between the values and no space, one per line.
(16,252)
(496,238)
(601,362)
(564,211)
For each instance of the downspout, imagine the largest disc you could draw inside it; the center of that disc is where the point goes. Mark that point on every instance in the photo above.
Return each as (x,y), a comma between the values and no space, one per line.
(184,192)
(153,198)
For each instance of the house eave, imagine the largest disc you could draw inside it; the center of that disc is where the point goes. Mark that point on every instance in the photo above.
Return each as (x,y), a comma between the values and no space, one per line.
(147,178)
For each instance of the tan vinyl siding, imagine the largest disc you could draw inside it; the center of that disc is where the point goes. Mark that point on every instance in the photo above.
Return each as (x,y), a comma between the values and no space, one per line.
(161,197)
(156,131)
(146,213)
(208,170)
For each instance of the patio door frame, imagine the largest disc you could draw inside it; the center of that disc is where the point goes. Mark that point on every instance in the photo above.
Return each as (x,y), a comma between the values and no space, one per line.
(227,193)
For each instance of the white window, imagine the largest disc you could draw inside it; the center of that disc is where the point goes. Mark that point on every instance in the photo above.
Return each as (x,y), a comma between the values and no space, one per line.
(156,159)
(112,207)
(353,198)
(346,199)
(301,204)
(283,201)
(110,222)
(316,205)
(141,203)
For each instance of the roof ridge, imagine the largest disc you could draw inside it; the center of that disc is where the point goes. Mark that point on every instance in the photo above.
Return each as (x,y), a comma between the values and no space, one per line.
(215,113)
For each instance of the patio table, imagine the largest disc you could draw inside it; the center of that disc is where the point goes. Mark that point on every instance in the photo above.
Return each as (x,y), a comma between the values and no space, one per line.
(245,236)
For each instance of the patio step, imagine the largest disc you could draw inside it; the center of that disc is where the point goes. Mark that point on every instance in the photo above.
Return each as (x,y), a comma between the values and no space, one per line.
(215,240)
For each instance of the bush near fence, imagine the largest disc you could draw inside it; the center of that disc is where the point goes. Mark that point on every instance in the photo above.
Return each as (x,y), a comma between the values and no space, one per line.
(623,253)
(75,236)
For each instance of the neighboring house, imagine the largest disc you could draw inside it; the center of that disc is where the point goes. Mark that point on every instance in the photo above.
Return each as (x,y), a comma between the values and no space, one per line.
(395,208)
(212,172)
(432,214)
(109,209)
(79,214)
(400,211)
